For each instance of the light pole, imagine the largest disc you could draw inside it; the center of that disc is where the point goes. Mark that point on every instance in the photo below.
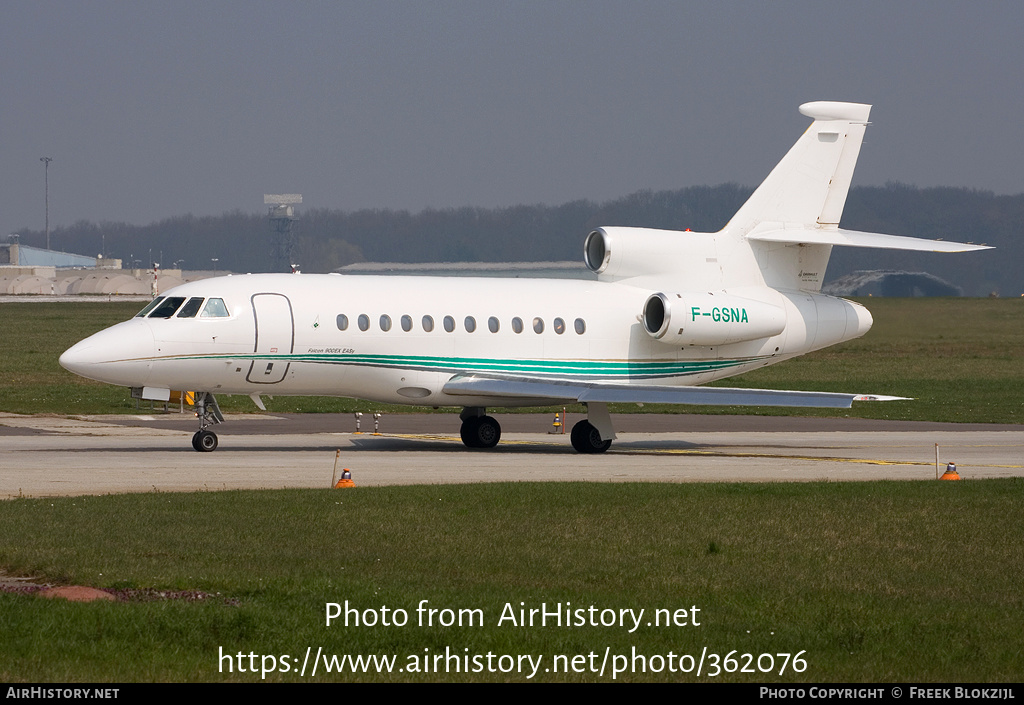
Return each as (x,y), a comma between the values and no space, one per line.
(46,169)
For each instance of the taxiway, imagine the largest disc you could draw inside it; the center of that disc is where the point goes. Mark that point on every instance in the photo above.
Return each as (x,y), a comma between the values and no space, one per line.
(49,455)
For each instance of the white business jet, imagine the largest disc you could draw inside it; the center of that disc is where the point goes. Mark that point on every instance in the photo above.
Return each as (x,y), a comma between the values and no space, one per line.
(670,310)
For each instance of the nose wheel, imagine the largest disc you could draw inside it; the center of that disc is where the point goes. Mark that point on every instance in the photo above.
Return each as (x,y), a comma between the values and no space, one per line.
(204,441)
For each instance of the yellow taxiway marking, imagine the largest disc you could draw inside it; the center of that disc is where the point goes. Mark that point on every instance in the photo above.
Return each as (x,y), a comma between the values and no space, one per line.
(774,456)
(715,453)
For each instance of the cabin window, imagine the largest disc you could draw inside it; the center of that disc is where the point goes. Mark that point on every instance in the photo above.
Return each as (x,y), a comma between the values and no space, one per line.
(385,322)
(538,325)
(214,308)
(407,323)
(559,325)
(581,326)
(149,307)
(364,322)
(190,309)
(449,323)
(492,324)
(167,307)
(470,324)
(428,323)
(517,324)
(342,321)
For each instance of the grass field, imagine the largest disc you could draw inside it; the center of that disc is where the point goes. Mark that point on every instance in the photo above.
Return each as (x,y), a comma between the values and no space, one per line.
(865,582)
(960,359)
(895,582)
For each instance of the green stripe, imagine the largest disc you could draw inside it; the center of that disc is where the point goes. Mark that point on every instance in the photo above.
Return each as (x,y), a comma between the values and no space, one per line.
(589,369)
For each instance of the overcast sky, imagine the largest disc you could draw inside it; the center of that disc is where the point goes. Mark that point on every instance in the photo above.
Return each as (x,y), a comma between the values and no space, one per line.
(153,109)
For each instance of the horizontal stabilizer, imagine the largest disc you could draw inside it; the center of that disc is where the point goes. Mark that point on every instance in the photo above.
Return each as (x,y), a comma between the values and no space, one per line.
(566,391)
(854,238)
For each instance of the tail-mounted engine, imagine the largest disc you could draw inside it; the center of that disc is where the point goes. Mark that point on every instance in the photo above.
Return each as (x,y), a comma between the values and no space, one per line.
(619,253)
(710,319)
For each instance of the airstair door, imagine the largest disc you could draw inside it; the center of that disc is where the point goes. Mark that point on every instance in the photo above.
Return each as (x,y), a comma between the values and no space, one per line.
(275,338)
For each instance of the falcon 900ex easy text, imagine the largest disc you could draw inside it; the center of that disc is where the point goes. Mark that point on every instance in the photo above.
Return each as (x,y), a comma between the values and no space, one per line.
(670,310)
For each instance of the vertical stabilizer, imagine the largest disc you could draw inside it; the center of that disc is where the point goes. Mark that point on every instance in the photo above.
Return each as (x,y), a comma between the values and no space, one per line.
(808,188)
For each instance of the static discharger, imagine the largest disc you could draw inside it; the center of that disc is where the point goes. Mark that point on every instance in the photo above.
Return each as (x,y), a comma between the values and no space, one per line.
(951,473)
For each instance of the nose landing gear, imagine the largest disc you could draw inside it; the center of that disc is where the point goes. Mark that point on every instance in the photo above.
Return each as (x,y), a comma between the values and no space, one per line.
(208,411)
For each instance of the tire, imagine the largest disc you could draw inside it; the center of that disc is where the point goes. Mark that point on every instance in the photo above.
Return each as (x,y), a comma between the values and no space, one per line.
(468,431)
(480,432)
(587,439)
(488,432)
(205,441)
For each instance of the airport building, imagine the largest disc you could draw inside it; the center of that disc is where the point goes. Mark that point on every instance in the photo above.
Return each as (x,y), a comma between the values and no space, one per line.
(29,270)
(523,270)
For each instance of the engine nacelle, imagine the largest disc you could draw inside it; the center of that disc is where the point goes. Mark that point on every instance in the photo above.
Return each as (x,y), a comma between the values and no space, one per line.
(710,319)
(620,253)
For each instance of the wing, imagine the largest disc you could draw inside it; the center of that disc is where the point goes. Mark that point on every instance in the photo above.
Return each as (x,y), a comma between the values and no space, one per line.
(522,388)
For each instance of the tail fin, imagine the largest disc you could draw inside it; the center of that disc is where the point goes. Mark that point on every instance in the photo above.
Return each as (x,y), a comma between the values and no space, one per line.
(792,220)
(808,188)
(781,237)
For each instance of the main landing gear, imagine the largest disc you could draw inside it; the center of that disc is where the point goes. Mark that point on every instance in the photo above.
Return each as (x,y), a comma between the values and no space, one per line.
(478,429)
(591,436)
(205,441)
(587,439)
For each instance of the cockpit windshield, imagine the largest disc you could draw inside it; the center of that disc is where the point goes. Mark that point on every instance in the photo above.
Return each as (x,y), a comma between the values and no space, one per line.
(167,307)
(190,309)
(149,307)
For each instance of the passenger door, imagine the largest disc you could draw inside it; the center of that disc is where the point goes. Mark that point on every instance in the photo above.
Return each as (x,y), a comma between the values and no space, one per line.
(275,338)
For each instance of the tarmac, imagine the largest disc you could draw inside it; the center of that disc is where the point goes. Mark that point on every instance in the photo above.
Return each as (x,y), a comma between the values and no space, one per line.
(146,452)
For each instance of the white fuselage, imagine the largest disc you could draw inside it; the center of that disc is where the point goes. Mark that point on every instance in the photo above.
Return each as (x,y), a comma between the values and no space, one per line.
(282,335)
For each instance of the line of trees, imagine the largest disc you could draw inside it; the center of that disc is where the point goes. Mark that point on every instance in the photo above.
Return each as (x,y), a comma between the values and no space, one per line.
(328,239)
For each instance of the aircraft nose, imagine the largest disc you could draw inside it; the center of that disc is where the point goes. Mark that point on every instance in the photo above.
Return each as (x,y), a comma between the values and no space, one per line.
(121,354)
(79,357)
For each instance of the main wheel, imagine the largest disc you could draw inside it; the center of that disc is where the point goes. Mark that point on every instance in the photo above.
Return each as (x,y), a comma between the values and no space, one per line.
(480,432)
(468,431)
(204,441)
(587,439)
(488,432)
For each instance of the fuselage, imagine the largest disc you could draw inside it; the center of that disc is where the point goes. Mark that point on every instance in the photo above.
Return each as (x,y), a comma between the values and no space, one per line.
(399,339)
